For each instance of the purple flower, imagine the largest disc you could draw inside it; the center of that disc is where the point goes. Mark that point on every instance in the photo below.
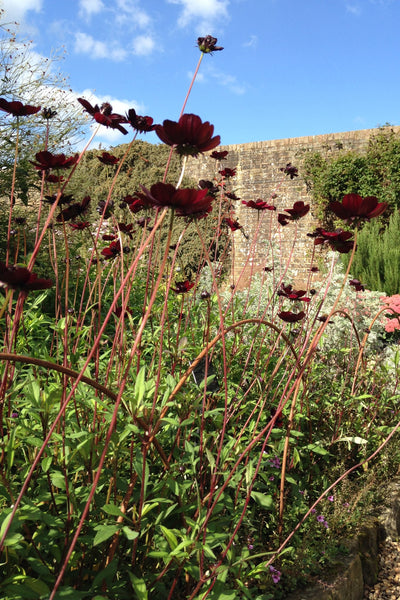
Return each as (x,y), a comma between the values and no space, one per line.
(330,498)
(275,574)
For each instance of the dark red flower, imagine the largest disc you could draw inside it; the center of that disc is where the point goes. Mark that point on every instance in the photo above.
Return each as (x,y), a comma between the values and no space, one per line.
(233,225)
(48,113)
(357,285)
(126,228)
(259,204)
(186,202)
(104,115)
(288,292)
(79,226)
(50,178)
(338,240)
(207,44)
(62,199)
(108,237)
(219,155)
(314,270)
(113,250)
(290,170)
(182,287)
(138,204)
(231,196)
(108,159)
(46,160)
(74,210)
(227,172)
(105,209)
(140,124)
(354,207)
(299,210)
(291,317)
(118,311)
(283,219)
(209,185)
(189,135)
(17,109)
(20,278)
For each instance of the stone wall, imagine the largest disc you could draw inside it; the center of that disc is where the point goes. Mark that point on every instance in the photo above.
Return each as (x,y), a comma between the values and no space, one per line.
(258,175)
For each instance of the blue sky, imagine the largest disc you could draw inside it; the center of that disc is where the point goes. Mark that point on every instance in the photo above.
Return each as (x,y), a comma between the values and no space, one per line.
(288,68)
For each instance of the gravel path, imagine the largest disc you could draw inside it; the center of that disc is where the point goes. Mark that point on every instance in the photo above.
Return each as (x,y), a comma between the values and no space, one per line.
(388,585)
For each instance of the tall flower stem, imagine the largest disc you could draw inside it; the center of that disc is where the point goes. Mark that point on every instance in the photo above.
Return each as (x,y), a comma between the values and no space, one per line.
(12,193)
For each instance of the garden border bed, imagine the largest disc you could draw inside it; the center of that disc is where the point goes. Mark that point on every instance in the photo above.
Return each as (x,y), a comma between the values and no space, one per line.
(360,567)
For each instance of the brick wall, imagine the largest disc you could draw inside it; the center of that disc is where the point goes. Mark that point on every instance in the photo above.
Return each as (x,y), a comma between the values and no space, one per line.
(257,167)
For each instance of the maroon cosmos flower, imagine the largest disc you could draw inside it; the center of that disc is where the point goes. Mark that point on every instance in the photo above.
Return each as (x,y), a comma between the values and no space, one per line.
(231,196)
(290,317)
(357,285)
(205,184)
(140,124)
(288,292)
(17,109)
(108,159)
(136,204)
(20,278)
(186,202)
(299,210)
(74,210)
(63,199)
(219,155)
(113,250)
(182,287)
(46,160)
(227,172)
(79,226)
(207,44)
(290,170)
(353,207)
(126,228)
(189,135)
(338,240)
(48,113)
(118,312)
(233,225)
(104,115)
(259,204)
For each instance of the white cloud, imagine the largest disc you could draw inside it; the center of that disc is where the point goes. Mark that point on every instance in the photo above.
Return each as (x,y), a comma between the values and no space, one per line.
(129,12)
(224,79)
(86,44)
(204,12)
(354,9)
(251,42)
(143,44)
(199,77)
(16,9)
(88,8)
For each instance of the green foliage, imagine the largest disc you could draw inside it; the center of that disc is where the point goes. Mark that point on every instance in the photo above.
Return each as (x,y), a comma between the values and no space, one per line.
(376,172)
(377,260)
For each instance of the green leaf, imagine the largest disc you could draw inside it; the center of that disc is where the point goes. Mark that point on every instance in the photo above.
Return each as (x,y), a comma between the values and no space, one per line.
(112,509)
(129,533)
(140,386)
(264,500)
(104,532)
(58,480)
(170,537)
(139,587)
(46,462)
